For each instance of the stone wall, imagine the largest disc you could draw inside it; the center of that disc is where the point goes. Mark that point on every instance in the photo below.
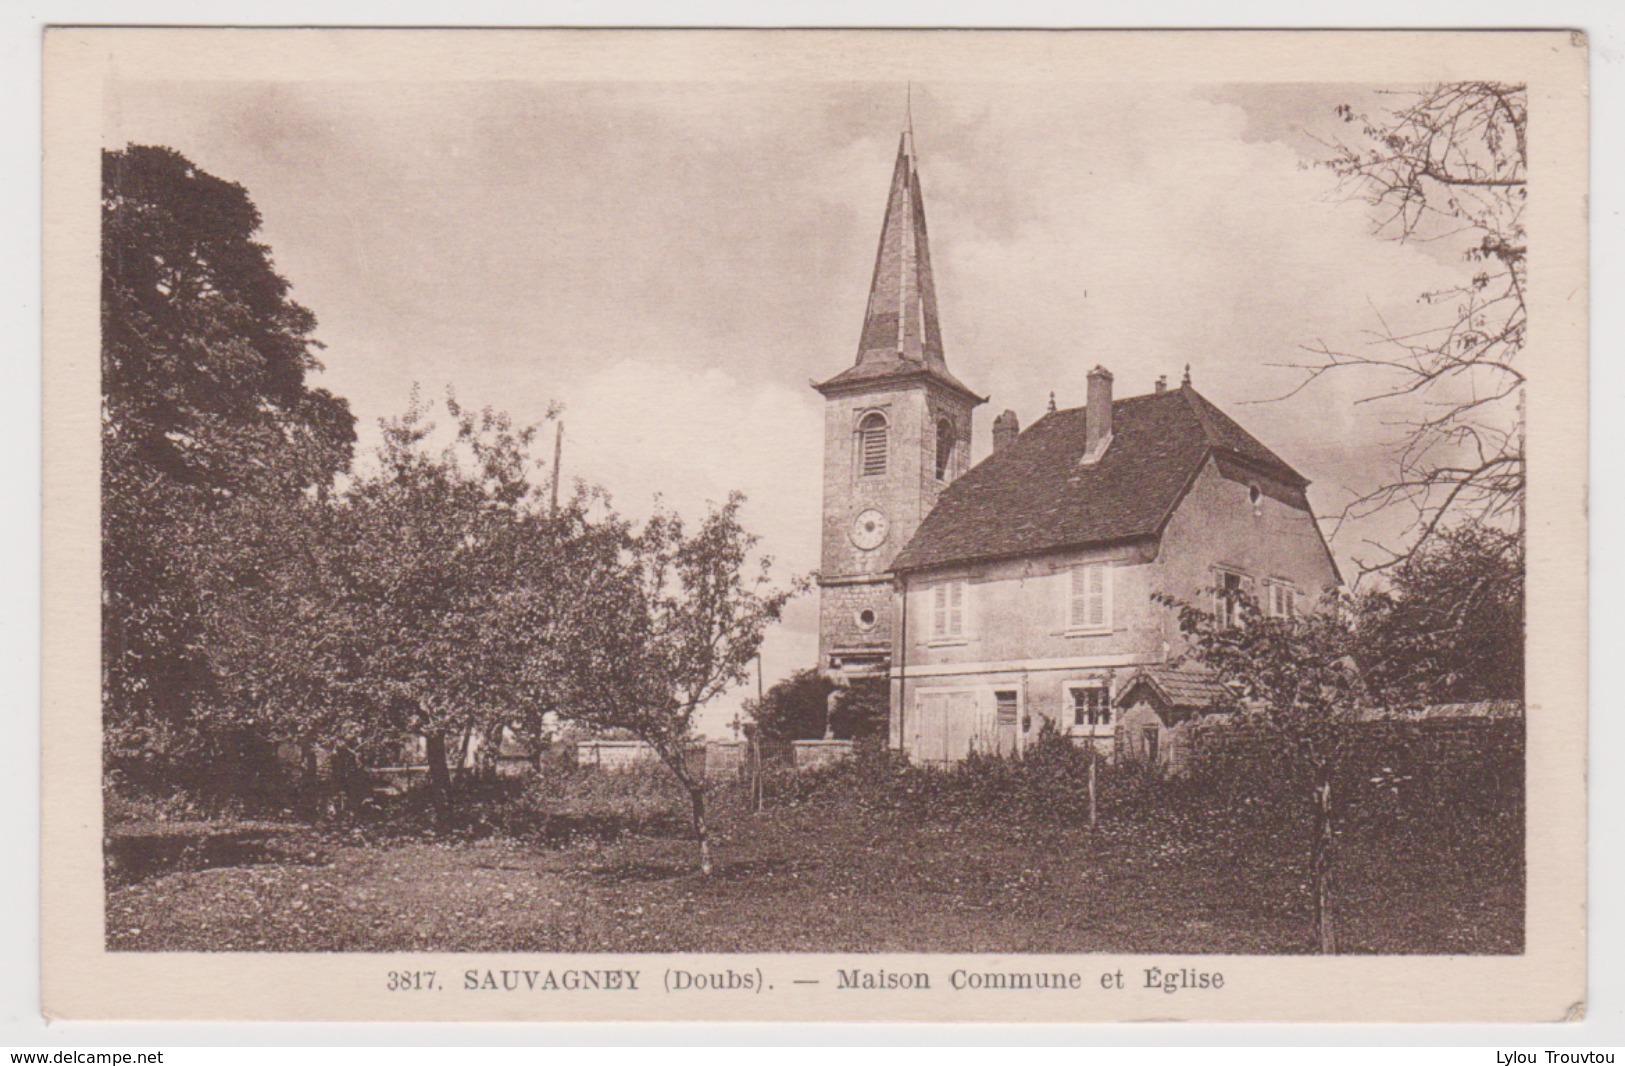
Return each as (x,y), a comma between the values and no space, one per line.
(838,624)
(809,753)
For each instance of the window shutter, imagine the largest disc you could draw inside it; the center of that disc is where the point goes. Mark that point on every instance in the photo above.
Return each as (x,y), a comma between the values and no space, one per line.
(956,613)
(1283,600)
(1090,596)
(939,615)
(1225,607)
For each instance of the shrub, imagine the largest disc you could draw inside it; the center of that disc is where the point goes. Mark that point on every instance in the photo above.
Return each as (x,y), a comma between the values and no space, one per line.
(1046,786)
(560,807)
(1385,768)
(123,804)
(222,773)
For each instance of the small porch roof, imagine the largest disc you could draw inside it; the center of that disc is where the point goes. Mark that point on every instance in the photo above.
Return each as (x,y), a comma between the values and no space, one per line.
(1183,687)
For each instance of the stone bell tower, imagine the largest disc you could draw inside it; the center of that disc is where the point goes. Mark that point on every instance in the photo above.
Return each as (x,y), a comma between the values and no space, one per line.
(897,430)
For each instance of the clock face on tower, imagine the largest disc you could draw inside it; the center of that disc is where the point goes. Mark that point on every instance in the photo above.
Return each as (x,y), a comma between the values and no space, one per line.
(869,530)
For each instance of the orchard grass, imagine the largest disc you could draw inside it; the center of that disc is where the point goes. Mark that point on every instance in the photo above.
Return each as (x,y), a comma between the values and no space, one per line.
(916,862)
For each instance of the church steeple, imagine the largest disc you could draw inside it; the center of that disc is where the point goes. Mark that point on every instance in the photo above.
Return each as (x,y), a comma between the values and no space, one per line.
(901,320)
(902,338)
(897,432)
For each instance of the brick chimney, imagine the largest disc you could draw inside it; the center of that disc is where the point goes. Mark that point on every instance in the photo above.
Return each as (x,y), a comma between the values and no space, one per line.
(1098,421)
(1006,428)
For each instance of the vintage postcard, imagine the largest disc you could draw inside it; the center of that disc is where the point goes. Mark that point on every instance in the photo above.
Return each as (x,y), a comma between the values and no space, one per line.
(540,527)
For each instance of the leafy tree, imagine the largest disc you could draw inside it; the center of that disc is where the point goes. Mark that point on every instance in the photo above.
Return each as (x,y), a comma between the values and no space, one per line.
(1448,166)
(565,613)
(647,645)
(445,541)
(809,706)
(796,708)
(863,710)
(423,600)
(1296,682)
(205,404)
(279,628)
(1449,627)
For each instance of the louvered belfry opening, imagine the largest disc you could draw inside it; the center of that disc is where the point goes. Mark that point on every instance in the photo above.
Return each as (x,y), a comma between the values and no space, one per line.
(898,386)
(872,444)
(945,449)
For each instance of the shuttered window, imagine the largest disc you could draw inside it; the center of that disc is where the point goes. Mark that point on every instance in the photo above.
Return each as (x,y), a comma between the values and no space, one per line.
(1282,600)
(948,610)
(872,444)
(1229,591)
(1090,603)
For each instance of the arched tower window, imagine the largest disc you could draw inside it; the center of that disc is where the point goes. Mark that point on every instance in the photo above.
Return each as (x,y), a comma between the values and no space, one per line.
(872,444)
(945,449)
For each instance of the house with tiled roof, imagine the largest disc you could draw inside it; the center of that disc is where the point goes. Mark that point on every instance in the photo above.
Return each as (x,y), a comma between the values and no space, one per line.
(992,598)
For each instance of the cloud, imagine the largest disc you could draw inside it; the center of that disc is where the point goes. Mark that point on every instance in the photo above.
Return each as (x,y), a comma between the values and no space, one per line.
(1150,228)
(674,263)
(643,427)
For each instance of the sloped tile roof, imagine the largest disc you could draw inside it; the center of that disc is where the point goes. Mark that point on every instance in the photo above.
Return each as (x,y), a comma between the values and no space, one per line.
(1034,495)
(902,338)
(876,369)
(902,313)
(1187,686)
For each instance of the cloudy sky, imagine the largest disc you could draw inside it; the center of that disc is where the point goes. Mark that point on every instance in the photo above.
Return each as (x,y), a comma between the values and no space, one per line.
(673,265)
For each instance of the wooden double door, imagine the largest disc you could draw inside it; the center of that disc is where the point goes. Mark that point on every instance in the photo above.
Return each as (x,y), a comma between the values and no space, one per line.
(949,724)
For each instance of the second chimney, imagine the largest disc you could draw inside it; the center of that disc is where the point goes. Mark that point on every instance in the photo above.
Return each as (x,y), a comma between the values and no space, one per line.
(1006,428)
(1098,419)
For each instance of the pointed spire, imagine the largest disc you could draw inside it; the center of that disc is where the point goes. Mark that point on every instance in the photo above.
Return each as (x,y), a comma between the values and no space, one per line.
(901,320)
(902,340)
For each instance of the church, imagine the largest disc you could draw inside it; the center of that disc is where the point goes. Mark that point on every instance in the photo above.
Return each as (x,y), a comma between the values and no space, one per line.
(992,598)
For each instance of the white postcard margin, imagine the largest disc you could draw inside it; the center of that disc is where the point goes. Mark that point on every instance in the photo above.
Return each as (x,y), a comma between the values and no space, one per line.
(1546,983)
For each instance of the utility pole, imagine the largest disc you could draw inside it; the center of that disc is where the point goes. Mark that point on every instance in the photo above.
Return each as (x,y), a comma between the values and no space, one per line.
(753,748)
(558,450)
(1094,757)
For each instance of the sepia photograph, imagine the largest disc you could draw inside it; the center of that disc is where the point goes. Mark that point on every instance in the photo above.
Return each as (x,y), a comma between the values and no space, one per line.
(587,517)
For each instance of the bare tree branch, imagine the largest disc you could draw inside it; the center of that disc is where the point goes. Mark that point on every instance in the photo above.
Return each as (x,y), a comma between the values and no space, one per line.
(1446,164)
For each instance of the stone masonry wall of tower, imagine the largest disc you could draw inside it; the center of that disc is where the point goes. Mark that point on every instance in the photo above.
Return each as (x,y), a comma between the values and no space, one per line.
(900,381)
